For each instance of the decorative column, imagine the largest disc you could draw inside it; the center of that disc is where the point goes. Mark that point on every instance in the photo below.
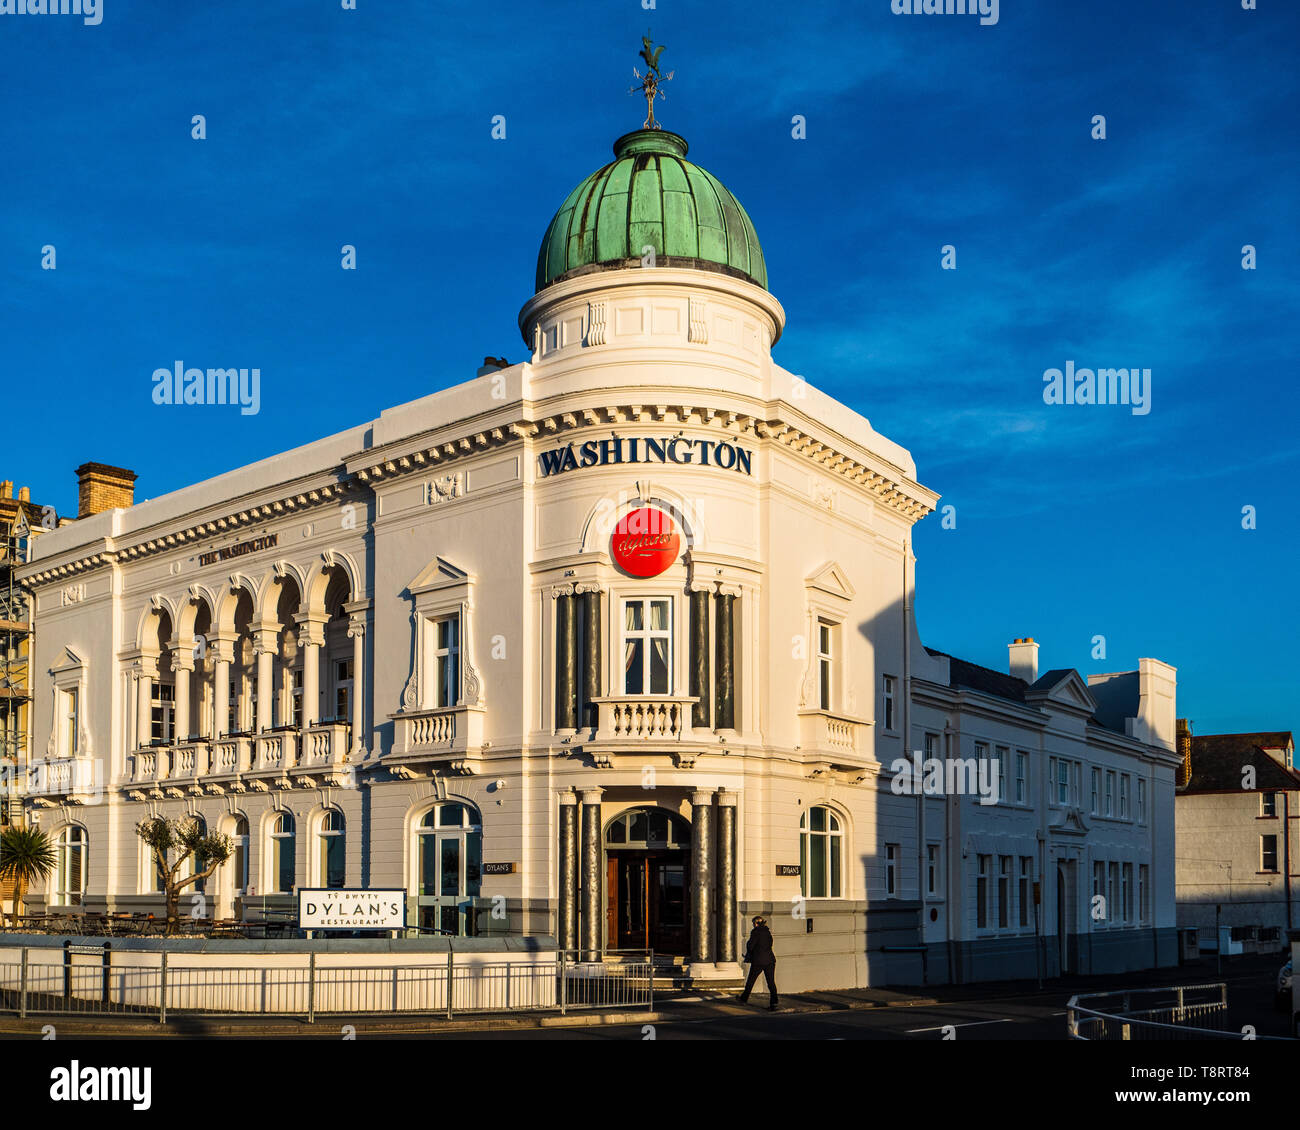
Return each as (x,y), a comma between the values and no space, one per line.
(182,665)
(699,674)
(728,951)
(144,702)
(567,927)
(701,900)
(221,652)
(590,652)
(311,637)
(591,874)
(357,634)
(725,687)
(566,662)
(266,646)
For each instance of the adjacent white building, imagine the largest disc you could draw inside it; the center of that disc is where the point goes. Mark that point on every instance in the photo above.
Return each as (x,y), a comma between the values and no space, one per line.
(1238,804)
(613,645)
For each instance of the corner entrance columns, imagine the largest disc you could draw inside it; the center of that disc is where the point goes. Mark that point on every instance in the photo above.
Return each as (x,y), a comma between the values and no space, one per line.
(727,908)
(701,894)
(566,660)
(591,874)
(567,927)
(725,679)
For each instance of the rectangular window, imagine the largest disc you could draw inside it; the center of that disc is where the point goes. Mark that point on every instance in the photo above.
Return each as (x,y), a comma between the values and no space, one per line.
(69,722)
(232,708)
(1022,777)
(1099,885)
(1062,782)
(1112,893)
(982,893)
(160,715)
(931,753)
(295,700)
(889,702)
(1004,768)
(1144,891)
(647,646)
(446,662)
(931,869)
(1026,890)
(1142,801)
(1127,899)
(1004,891)
(1268,853)
(1109,810)
(1125,784)
(1096,791)
(1052,796)
(343,690)
(891,870)
(1268,804)
(827,634)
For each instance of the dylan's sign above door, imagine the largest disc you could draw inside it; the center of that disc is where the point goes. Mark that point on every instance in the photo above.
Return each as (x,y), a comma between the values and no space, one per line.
(637,449)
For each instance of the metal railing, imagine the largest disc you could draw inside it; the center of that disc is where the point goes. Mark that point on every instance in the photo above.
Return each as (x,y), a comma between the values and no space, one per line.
(94,980)
(1179,1012)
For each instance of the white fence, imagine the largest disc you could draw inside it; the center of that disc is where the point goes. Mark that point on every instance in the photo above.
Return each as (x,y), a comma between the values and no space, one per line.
(96,980)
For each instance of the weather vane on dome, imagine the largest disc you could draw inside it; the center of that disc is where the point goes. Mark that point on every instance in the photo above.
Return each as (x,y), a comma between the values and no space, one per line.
(650,82)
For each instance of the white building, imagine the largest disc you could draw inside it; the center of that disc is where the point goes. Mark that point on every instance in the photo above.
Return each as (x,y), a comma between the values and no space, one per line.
(615,642)
(1238,806)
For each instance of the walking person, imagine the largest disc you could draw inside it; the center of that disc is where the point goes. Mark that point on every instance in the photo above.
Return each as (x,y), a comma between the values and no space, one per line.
(761,959)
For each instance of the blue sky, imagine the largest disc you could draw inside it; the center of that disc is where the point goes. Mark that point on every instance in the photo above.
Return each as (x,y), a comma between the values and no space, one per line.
(372,127)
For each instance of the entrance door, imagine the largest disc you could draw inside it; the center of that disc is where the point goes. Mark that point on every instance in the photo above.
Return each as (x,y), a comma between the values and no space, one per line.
(449,844)
(647,901)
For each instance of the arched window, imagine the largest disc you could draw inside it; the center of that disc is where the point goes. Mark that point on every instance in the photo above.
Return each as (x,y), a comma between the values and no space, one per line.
(239,856)
(281,852)
(449,850)
(330,849)
(70,866)
(821,854)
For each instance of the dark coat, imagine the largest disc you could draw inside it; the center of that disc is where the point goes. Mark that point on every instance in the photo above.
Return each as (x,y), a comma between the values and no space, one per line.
(758,950)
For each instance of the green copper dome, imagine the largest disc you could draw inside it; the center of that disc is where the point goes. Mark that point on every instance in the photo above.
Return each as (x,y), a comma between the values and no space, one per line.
(650,196)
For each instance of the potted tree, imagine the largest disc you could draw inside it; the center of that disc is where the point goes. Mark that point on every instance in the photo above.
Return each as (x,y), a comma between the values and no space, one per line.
(26,857)
(186,837)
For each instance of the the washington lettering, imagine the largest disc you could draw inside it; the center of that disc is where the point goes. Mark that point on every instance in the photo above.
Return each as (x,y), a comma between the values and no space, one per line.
(678,449)
(270,541)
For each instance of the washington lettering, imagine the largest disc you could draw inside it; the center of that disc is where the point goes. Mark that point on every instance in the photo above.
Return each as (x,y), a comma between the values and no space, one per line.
(677,449)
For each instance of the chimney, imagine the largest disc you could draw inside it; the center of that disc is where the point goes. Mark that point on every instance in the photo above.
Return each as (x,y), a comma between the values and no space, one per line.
(1024,659)
(24,494)
(492,365)
(1184,730)
(7,488)
(101,487)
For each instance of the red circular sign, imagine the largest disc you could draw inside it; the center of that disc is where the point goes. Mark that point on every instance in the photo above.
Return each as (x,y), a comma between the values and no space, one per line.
(645,542)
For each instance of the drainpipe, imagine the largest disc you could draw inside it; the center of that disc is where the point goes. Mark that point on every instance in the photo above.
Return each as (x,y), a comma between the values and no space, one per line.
(1286,851)
(950,891)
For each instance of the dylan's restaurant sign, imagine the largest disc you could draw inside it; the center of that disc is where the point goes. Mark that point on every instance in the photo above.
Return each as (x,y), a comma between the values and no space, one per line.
(239,549)
(351,909)
(636,449)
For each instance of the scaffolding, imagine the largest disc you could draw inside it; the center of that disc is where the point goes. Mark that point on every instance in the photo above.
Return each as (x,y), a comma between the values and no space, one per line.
(16,518)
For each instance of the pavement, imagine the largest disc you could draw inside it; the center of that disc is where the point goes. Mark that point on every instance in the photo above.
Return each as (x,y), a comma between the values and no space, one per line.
(997,1010)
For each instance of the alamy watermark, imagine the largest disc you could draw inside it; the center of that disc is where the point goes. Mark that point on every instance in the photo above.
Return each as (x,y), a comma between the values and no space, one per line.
(987,10)
(946,776)
(179,385)
(91,11)
(1102,386)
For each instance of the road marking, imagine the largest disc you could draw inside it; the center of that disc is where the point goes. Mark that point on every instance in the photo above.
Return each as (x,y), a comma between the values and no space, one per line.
(966,1024)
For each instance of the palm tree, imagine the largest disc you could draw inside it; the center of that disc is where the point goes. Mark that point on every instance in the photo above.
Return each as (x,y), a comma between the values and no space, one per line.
(26,857)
